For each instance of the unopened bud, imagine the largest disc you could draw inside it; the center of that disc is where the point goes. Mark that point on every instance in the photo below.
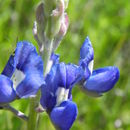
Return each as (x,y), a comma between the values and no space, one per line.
(64,25)
(62,31)
(49,5)
(40,19)
(55,20)
(39,26)
(59,11)
(40,14)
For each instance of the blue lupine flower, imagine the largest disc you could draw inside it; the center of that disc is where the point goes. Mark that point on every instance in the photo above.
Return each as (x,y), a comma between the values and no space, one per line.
(56,97)
(22,75)
(98,81)
(56,94)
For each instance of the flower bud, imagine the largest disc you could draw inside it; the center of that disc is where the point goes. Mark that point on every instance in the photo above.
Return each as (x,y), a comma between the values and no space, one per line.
(40,16)
(54,22)
(49,5)
(62,31)
(41,21)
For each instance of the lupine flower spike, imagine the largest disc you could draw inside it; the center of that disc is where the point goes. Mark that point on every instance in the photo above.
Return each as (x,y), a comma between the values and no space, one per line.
(23,75)
(56,96)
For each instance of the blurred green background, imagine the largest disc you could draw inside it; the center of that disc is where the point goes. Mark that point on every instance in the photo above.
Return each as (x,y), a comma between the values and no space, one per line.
(107,23)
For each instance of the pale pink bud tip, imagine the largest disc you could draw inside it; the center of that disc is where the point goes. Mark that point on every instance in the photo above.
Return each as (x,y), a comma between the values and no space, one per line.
(64,25)
(66,20)
(59,11)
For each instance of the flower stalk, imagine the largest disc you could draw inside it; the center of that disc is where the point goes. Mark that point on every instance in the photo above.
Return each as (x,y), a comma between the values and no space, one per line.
(49,28)
(46,57)
(32,122)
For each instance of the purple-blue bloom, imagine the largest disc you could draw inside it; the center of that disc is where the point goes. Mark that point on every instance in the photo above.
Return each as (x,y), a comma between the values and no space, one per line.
(56,94)
(22,75)
(100,80)
(56,97)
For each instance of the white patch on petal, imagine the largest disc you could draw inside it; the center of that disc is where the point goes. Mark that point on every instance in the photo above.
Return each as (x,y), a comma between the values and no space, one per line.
(90,66)
(62,95)
(17,77)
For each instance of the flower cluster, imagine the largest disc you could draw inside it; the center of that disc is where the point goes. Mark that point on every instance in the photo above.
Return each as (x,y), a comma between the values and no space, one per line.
(22,77)
(25,74)
(56,93)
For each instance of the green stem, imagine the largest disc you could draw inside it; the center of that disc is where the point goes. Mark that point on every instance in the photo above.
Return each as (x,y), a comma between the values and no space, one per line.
(32,122)
(46,57)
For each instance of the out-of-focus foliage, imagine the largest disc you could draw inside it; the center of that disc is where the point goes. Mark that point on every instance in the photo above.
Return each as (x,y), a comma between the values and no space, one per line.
(107,23)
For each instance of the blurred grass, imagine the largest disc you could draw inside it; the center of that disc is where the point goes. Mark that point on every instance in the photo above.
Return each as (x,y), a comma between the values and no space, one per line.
(107,23)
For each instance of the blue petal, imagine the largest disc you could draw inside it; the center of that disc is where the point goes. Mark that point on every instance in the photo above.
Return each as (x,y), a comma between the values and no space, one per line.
(86,56)
(48,98)
(22,53)
(55,58)
(30,63)
(61,75)
(68,74)
(48,90)
(64,115)
(73,74)
(10,67)
(32,66)
(7,93)
(26,60)
(102,80)
(30,85)
(86,51)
